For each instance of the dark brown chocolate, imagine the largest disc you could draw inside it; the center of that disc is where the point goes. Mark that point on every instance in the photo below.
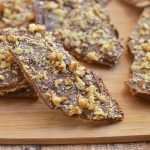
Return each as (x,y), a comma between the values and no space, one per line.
(62,82)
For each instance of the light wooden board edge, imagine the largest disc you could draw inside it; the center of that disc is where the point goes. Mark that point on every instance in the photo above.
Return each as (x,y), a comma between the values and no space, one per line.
(84,140)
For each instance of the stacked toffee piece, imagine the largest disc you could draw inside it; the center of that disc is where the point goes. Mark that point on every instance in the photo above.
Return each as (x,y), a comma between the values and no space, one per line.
(139,45)
(35,61)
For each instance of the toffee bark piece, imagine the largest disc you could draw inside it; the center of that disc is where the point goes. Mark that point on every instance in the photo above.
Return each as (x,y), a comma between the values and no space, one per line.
(15,12)
(85,30)
(24,93)
(62,82)
(139,45)
(11,77)
(138,3)
(50,13)
(53,13)
(88,34)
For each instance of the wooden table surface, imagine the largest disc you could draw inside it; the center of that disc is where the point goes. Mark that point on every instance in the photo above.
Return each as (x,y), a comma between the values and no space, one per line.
(127,146)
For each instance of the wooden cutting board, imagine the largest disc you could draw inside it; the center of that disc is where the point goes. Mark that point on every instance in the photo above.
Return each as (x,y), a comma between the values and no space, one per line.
(31,122)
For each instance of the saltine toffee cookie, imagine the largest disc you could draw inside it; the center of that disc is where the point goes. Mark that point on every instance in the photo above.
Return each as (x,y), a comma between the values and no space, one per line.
(53,13)
(15,13)
(138,3)
(62,82)
(88,34)
(139,45)
(23,93)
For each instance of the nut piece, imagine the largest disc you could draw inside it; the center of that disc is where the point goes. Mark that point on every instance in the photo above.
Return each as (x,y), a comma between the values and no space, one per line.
(107,47)
(12,38)
(148,56)
(51,5)
(58,82)
(2,38)
(75,111)
(92,56)
(81,84)
(68,81)
(146,47)
(145,65)
(38,76)
(57,100)
(99,111)
(19,50)
(74,66)
(54,56)
(4,64)
(1,77)
(36,28)
(83,102)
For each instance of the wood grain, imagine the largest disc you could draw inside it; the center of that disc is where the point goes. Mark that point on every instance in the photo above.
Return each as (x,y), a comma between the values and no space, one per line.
(129,146)
(31,122)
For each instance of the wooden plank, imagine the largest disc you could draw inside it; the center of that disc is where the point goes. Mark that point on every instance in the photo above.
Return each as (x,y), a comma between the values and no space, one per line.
(31,122)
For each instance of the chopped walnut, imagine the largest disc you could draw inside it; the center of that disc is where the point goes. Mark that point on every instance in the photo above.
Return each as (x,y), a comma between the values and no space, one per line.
(81,84)
(1,57)
(145,65)
(107,47)
(10,58)
(1,77)
(99,111)
(36,28)
(75,111)
(83,102)
(57,100)
(54,56)
(146,47)
(4,64)
(12,38)
(51,5)
(59,12)
(26,67)
(58,82)
(2,38)
(19,50)
(73,66)
(148,56)
(38,76)
(92,56)
(62,67)
(68,81)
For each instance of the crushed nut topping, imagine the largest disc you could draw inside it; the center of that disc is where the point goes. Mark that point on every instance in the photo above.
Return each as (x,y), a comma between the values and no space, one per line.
(2,77)
(16,13)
